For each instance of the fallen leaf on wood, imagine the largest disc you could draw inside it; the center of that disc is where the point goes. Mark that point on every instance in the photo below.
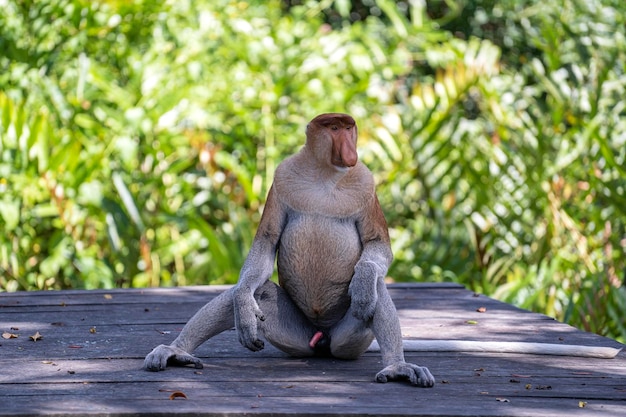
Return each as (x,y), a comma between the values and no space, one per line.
(481,309)
(471,322)
(520,376)
(93,330)
(108,297)
(7,335)
(177,394)
(582,404)
(75,347)
(35,337)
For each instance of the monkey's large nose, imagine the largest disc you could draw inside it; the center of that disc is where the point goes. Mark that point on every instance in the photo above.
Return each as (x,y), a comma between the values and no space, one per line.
(348,154)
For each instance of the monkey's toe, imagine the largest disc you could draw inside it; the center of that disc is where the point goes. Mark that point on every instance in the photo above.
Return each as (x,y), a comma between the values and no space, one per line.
(417,375)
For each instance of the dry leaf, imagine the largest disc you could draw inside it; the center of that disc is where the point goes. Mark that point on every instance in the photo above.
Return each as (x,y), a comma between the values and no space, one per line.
(108,297)
(7,335)
(178,394)
(92,330)
(582,404)
(36,336)
(481,309)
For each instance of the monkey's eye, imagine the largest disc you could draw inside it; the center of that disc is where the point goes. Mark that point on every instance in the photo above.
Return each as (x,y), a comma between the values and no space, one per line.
(334,127)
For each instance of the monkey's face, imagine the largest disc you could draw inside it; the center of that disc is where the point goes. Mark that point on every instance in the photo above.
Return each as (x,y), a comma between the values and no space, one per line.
(332,137)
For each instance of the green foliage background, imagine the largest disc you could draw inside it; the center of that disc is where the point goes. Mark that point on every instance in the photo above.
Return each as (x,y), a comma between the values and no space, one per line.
(138,139)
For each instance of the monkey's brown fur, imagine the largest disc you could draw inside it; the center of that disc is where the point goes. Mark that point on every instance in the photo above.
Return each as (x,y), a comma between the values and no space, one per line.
(323,223)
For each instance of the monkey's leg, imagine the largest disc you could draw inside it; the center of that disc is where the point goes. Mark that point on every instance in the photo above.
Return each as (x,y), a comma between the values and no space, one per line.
(215,317)
(285,326)
(350,337)
(386,327)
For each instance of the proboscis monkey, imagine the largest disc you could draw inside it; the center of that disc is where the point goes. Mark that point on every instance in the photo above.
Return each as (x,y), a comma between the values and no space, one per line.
(323,224)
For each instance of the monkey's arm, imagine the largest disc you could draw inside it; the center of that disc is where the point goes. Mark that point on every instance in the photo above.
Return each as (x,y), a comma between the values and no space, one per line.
(256,270)
(374,262)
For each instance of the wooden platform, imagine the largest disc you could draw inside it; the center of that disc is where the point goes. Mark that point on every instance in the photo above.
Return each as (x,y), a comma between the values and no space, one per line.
(88,362)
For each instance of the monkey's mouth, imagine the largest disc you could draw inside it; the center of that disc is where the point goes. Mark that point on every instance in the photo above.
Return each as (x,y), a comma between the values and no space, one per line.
(342,168)
(341,165)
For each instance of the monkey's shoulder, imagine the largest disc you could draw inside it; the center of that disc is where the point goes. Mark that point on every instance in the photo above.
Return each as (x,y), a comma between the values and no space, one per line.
(306,193)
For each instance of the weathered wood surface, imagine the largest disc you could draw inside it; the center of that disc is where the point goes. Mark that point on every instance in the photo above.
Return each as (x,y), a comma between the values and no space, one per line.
(89,360)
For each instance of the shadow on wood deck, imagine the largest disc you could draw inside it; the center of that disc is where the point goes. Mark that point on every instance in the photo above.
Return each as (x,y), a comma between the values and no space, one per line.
(88,362)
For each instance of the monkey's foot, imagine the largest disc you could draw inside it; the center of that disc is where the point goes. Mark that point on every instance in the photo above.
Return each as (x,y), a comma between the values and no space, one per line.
(416,375)
(164,355)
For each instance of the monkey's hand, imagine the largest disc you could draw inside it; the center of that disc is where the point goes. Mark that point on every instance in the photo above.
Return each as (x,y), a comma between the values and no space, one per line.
(162,355)
(417,375)
(247,312)
(363,292)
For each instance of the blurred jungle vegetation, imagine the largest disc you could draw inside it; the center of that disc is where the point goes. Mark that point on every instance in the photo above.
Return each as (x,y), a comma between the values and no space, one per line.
(138,139)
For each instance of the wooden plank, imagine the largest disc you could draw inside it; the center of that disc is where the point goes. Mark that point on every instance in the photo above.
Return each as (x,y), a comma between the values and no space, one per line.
(89,362)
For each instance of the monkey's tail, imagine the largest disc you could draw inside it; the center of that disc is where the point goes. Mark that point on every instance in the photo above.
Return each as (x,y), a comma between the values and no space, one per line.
(504,347)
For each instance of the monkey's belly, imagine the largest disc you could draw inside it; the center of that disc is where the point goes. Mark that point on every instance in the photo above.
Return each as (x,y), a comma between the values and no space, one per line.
(316,259)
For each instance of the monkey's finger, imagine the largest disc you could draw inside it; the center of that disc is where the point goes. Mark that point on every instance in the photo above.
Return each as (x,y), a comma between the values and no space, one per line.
(256,345)
(259,314)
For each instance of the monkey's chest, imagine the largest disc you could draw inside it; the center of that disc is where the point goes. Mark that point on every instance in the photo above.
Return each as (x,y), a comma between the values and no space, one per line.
(316,259)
